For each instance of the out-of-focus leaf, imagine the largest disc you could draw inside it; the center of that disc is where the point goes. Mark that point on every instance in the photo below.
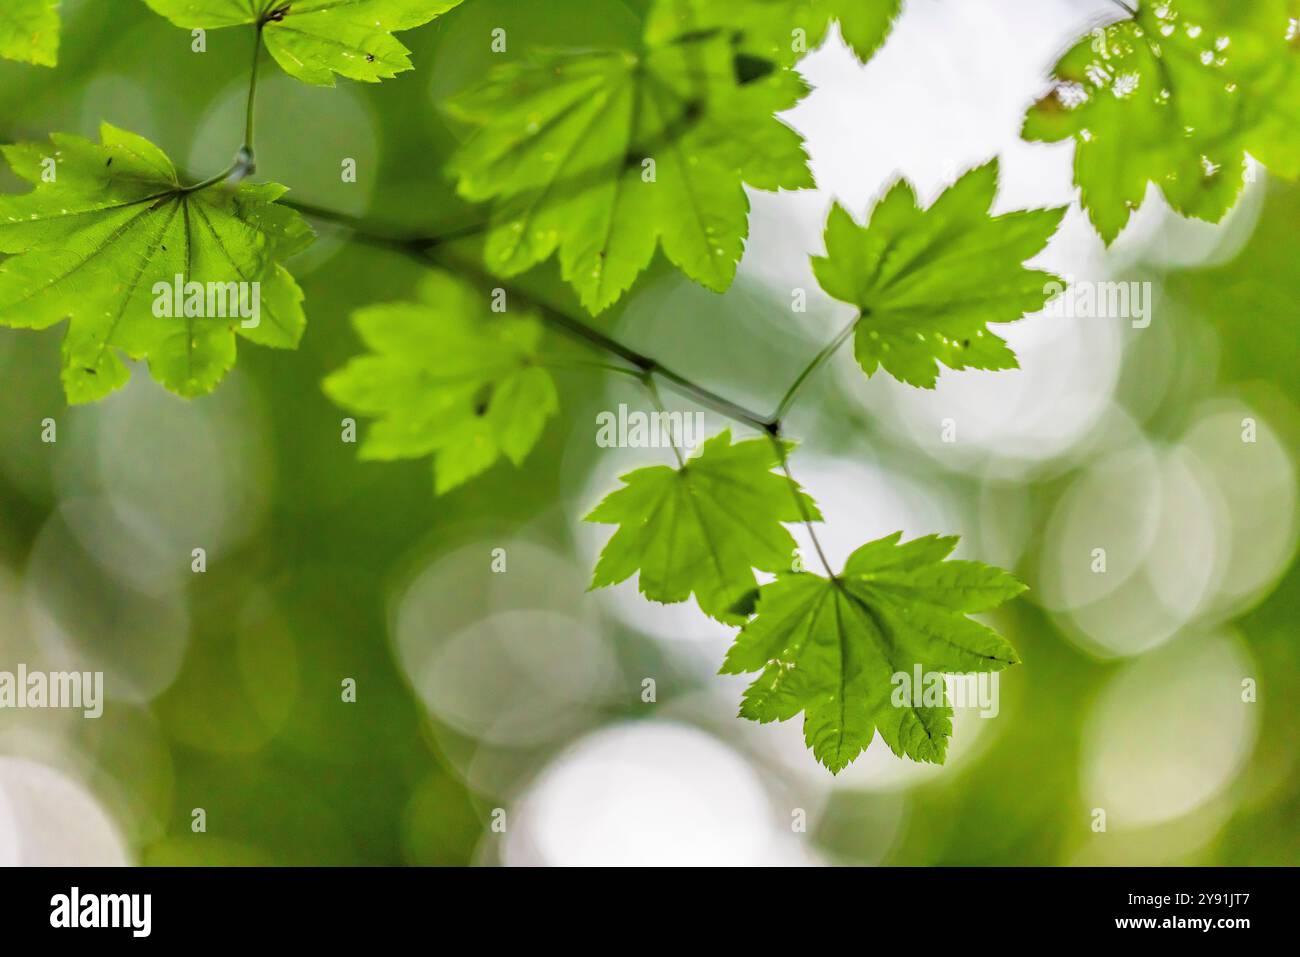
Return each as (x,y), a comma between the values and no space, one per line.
(315,39)
(783,30)
(1177,96)
(449,378)
(29,31)
(605,155)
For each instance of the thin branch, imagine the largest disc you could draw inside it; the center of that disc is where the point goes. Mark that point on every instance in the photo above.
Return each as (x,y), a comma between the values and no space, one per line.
(567,362)
(435,250)
(705,397)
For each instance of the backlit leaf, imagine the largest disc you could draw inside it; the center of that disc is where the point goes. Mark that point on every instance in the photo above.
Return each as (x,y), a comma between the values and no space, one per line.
(29,31)
(1177,96)
(929,281)
(702,528)
(834,648)
(315,39)
(605,155)
(106,233)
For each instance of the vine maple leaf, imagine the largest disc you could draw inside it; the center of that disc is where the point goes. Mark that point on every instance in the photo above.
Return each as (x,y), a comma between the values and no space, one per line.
(1177,96)
(703,527)
(315,39)
(929,281)
(1272,72)
(447,377)
(605,155)
(831,647)
(108,222)
(783,30)
(29,31)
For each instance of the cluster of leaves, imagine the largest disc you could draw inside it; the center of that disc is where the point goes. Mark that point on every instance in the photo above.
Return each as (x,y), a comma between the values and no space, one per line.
(600,158)
(107,224)
(826,647)
(1177,95)
(445,373)
(1174,96)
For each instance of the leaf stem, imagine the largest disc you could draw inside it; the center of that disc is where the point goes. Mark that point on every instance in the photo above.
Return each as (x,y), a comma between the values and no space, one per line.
(830,349)
(783,454)
(431,249)
(245,162)
(710,399)
(221,177)
(649,380)
(250,112)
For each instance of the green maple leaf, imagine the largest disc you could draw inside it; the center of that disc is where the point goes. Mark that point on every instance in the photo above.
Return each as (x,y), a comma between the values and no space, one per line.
(1176,96)
(108,222)
(564,146)
(447,377)
(831,648)
(783,30)
(29,31)
(704,527)
(315,39)
(929,281)
(1273,72)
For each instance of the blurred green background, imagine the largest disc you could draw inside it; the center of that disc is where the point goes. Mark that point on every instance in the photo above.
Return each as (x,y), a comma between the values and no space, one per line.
(499,717)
